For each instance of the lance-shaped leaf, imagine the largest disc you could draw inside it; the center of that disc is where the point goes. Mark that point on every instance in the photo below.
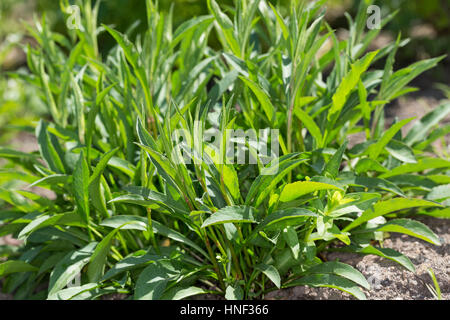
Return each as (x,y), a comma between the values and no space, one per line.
(384,207)
(262,97)
(439,193)
(386,253)
(140,223)
(232,214)
(81,187)
(421,165)
(98,258)
(334,163)
(374,150)
(177,293)
(153,280)
(295,190)
(264,184)
(271,272)
(98,171)
(130,263)
(69,268)
(340,269)
(15,266)
(283,218)
(309,124)
(412,228)
(330,281)
(421,128)
(234,293)
(348,84)
(47,149)
(366,164)
(371,183)
(401,151)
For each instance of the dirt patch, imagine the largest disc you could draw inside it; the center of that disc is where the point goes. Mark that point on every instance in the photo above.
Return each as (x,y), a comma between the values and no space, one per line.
(389,280)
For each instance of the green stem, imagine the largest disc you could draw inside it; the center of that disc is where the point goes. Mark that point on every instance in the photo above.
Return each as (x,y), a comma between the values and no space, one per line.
(150,230)
(213,260)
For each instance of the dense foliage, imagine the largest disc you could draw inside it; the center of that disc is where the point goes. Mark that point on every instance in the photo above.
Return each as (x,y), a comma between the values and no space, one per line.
(129,217)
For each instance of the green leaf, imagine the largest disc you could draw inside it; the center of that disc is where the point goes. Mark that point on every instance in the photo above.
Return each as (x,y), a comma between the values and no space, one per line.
(233,214)
(177,293)
(264,184)
(15,266)
(295,190)
(384,207)
(47,149)
(262,97)
(127,47)
(130,263)
(226,26)
(439,193)
(271,272)
(369,182)
(437,133)
(291,238)
(153,280)
(98,258)
(421,165)
(221,17)
(52,180)
(403,76)
(367,164)
(374,150)
(81,187)
(189,25)
(98,171)
(280,21)
(293,216)
(387,253)
(420,128)
(330,281)
(122,165)
(155,197)
(412,228)
(141,223)
(348,84)
(73,293)
(340,269)
(69,267)
(14,154)
(334,163)
(309,124)
(166,169)
(234,293)
(443,213)
(70,218)
(231,181)
(400,151)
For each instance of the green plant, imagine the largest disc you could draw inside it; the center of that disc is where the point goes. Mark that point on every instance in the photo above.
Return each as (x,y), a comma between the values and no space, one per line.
(130,217)
(436,291)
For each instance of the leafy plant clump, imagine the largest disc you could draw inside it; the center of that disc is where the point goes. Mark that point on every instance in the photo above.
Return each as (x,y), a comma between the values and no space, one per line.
(127,216)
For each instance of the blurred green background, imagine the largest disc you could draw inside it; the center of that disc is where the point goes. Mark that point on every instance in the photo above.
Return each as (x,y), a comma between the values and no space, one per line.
(427,23)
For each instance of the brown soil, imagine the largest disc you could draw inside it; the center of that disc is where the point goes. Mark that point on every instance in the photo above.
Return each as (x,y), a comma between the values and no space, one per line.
(390,281)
